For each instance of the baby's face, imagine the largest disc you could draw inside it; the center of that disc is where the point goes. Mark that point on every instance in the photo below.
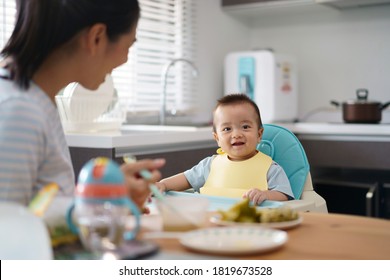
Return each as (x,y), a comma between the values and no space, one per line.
(237,131)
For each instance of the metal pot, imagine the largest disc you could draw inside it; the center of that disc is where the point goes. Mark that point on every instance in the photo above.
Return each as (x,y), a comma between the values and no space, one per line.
(361,110)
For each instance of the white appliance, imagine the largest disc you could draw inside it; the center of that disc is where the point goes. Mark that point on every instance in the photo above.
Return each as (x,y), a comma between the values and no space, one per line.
(267,78)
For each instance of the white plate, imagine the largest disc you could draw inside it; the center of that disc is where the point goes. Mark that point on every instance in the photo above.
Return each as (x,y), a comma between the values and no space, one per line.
(234,240)
(277,225)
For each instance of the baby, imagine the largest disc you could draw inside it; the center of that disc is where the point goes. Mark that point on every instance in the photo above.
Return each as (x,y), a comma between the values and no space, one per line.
(238,170)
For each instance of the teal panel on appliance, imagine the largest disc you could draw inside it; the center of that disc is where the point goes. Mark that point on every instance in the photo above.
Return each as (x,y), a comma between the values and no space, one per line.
(246,76)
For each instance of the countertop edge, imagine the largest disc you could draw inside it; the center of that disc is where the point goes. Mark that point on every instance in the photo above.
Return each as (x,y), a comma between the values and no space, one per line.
(149,139)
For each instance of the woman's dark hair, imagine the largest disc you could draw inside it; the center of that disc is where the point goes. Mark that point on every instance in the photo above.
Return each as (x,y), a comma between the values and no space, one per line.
(44,25)
(239,98)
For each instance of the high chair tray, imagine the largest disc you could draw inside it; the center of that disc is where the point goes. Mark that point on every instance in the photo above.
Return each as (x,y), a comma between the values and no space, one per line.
(224,203)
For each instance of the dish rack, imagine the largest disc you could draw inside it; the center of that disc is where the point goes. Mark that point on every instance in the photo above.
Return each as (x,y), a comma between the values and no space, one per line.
(92,113)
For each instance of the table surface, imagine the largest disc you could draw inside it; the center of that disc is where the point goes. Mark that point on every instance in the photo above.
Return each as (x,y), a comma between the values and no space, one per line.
(319,237)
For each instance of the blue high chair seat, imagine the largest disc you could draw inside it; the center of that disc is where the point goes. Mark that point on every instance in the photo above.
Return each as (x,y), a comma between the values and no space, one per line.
(286,150)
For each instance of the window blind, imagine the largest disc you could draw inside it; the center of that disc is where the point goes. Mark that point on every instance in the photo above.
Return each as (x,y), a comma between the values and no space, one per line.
(7,19)
(166,30)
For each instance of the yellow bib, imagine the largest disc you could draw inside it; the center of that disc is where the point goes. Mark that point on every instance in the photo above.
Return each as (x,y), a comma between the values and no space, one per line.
(233,178)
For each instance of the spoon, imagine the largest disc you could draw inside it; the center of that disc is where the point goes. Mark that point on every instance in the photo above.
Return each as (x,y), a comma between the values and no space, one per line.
(147,175)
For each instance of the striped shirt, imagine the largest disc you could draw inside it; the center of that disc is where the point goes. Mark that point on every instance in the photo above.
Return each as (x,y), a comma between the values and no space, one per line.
(33,149)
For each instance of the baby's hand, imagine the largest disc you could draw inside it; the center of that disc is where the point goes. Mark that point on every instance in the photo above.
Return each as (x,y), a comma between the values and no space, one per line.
(256,196)
(161,187)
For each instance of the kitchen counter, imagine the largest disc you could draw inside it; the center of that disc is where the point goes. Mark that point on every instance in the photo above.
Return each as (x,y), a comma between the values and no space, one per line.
(150,142)
(379,132)
(344,145)
(121,139)
(181,149)
(143,141)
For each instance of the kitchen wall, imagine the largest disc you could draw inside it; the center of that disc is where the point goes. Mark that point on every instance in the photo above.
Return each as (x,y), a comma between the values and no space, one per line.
(337,51)
(218,34)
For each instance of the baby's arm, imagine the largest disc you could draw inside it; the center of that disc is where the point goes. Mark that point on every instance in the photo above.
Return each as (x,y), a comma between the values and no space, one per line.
(176,182)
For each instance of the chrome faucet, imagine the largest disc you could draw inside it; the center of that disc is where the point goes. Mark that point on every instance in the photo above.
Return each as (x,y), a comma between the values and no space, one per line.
(164,78)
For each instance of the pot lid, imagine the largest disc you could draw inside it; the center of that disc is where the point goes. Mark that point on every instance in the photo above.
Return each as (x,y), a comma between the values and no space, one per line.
(362,98)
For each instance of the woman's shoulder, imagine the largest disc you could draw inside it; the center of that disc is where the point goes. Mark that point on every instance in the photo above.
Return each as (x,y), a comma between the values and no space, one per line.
(22,112)
(21,107)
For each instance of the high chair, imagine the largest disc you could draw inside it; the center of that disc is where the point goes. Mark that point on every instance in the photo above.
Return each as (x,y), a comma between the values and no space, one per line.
(286,150)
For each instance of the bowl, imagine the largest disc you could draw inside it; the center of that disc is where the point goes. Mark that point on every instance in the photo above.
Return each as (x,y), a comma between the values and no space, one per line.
(183,213)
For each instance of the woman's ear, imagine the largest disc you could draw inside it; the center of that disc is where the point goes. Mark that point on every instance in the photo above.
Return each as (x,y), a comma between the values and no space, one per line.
(96,38)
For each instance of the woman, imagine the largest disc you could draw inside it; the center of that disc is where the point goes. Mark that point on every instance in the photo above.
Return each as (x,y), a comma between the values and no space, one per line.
(54,43)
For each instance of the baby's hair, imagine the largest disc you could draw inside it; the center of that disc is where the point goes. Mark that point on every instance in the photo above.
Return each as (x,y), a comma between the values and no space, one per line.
(239,98)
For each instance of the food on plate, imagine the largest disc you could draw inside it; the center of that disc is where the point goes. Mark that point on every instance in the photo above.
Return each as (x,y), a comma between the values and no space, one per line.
(244,212)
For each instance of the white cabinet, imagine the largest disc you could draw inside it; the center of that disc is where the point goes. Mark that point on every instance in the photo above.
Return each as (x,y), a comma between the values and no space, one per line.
(345,4)
(255,9)
(267,4)
(249,10)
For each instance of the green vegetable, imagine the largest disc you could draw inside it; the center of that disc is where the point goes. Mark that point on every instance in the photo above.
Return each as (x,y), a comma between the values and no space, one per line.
(243,212)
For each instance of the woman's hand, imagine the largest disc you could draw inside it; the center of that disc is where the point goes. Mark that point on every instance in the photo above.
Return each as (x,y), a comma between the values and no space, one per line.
(138,188)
